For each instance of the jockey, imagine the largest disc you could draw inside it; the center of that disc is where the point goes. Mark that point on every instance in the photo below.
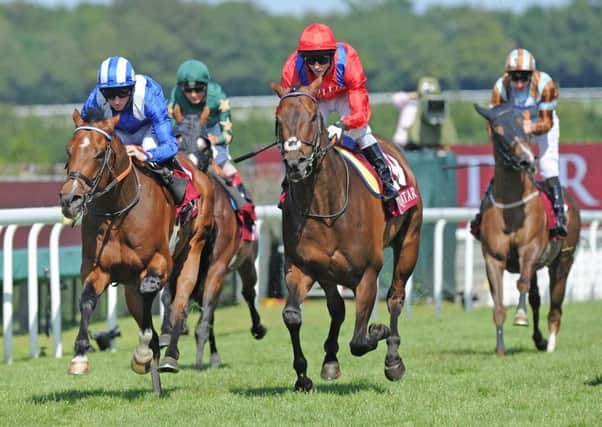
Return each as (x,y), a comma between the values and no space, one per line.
(143,120)
(343,90)
(193,92)
(535,91)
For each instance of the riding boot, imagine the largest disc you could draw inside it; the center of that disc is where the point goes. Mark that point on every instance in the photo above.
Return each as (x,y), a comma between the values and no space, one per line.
(376,157)
(243,192)
(175,185)
(560,228)
(475,224)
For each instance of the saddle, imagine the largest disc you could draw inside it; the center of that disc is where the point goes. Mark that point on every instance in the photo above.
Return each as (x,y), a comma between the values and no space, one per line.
(407,195)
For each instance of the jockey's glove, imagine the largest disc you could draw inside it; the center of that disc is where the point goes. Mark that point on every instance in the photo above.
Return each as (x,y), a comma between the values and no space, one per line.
(336,130)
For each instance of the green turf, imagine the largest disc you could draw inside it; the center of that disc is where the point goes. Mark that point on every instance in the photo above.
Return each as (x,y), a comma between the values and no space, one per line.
(453,377)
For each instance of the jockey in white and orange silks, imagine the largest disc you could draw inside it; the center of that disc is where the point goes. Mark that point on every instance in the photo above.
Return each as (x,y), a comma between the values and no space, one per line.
(533,90)
(343,90)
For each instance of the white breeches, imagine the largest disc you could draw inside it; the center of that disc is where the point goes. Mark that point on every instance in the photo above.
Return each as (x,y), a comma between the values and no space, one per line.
(548,150)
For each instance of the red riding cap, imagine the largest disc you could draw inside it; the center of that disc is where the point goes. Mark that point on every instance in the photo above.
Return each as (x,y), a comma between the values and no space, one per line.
(317,37)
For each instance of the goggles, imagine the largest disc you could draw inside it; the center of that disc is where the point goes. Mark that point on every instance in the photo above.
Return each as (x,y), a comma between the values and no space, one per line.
(198,87)
(320,58)
(520,76)
(114,92)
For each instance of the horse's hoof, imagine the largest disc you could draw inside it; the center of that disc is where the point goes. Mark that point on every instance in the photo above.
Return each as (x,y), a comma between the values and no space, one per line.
(79,366)
(140,368)
(303,384)
(215,360)
(330,371)
(164,340)
(259,332)
(150,284)
(169,364)
(521,319)
(541,345)
(394,371)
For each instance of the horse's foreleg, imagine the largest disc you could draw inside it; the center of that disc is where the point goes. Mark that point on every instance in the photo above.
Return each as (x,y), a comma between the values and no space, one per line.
(298,285)
(146,355)
(211,292)
(185,283)
(156,274)
(366,339)
(535,303)
(214,360)
(177,316)
(558,273)
(405,256)
(336,309)
(94,285)
(527,259)
(166,327)
(495,271)
(248,275)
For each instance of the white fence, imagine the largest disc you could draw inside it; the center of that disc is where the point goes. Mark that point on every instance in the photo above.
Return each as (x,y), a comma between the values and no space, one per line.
(581,283)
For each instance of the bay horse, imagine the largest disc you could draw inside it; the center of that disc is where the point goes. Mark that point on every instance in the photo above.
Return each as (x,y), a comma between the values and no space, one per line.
(514,229)
(334,232)
(226,252)
(127,218)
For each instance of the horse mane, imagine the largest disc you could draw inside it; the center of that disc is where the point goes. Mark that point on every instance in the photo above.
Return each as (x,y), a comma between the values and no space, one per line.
(94,115)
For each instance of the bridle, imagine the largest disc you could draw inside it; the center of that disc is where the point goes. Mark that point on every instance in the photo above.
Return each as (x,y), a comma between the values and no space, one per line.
(315,158)
(93,191)
(317,152)
(509,160)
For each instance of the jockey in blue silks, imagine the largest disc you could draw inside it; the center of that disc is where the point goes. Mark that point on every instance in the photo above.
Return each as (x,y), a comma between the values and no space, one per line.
(143,121)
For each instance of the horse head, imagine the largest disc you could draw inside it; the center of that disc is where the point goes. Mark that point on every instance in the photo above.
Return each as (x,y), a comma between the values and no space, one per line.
(93,155)
(193,137)
(299,129)
(510,141)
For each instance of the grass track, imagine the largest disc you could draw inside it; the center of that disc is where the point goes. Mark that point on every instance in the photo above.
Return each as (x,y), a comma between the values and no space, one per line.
(453,376)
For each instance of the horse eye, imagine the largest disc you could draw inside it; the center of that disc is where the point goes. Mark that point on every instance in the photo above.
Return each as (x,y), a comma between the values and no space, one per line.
(99,155)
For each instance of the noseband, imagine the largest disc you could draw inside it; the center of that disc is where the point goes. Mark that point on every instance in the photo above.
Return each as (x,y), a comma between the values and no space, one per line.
(93,192)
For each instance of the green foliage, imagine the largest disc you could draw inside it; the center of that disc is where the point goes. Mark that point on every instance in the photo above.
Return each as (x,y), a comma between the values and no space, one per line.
(453,376)
(54,52)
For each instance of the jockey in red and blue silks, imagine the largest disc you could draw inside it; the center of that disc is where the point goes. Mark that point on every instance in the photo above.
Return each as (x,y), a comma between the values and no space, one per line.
(343,90)
(143,118)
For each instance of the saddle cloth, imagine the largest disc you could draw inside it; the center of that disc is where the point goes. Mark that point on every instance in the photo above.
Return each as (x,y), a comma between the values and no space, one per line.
(245,211)
(407,195)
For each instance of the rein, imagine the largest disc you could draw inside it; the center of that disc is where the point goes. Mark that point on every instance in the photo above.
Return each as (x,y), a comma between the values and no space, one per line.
(318,154)
(94,193)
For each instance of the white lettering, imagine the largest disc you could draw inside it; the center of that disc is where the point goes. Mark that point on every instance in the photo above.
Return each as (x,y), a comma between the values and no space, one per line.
(575,183)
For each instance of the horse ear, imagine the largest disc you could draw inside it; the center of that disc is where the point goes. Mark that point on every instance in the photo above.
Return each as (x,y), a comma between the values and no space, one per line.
(113,122)
(313,87)
(483,111)
(177,113)
(205,115)
(279,90)
(77,118)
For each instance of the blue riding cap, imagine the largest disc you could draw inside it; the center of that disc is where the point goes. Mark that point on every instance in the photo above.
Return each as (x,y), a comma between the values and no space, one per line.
(116,71)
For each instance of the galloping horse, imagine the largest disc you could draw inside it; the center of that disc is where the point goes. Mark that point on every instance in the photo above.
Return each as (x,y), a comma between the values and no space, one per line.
(127,219)
(226,252)
(334,232)
(514,230)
